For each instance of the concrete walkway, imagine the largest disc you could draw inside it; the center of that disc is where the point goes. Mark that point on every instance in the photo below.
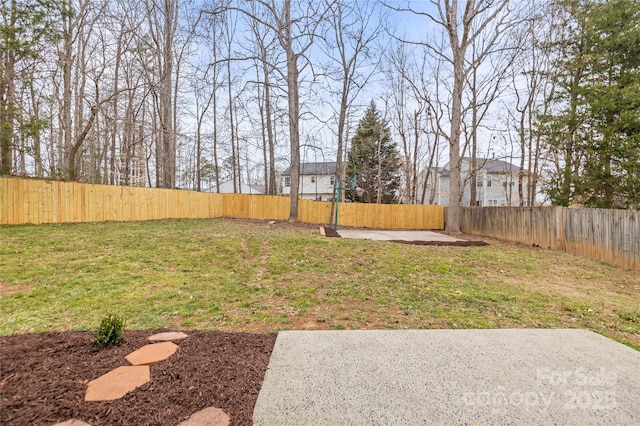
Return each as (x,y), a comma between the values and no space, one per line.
(367,234)
(449,377)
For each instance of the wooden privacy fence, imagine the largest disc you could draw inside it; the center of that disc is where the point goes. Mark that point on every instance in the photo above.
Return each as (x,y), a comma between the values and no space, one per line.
(42,201)
(609,235)
(391,216)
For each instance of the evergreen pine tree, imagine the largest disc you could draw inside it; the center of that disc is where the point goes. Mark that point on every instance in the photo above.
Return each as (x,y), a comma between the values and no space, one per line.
(373,162)
(594,135)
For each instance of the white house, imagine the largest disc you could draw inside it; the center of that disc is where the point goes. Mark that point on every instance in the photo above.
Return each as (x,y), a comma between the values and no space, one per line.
(243,188)
(496,183)
(317,181)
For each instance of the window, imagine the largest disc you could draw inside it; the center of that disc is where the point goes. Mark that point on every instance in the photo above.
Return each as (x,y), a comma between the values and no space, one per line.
(287,181)
(479,184)
(313,179)
(488,183)
(333,180)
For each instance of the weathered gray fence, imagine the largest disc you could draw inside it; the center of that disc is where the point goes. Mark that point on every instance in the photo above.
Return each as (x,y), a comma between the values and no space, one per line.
(609,235)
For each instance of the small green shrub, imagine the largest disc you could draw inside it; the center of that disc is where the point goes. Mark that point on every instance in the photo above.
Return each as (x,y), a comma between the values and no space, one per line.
(110,331)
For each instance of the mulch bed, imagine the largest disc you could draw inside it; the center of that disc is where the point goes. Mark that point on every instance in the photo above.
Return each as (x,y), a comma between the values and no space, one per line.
(444,243)
(43,378)
(329,232)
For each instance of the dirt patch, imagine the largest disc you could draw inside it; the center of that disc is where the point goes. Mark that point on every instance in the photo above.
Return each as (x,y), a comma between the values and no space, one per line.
(43,378)
(275,224)
(7,289)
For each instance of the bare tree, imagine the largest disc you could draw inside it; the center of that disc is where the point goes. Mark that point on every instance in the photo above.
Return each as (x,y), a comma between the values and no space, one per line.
(486,81)
(531,89)
(352,29)
(162,21)
(203,91)
(264,69)
(83,64)
(462,27)
(295,33)
(407,79)
(213,38)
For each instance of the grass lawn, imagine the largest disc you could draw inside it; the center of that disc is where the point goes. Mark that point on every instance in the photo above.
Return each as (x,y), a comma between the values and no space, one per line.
(241,275)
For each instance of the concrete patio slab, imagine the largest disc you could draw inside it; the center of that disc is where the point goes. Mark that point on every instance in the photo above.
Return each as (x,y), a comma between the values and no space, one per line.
(379,235)
(461,377)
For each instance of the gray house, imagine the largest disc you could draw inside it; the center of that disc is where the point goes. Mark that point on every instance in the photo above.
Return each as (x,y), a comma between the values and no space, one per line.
(496,183)
(317,181)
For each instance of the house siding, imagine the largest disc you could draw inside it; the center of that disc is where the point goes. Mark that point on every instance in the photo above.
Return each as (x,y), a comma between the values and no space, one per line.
(316,181)
(503,190)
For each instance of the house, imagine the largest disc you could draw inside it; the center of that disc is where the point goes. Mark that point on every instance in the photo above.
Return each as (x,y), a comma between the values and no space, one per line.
(317,181)
(243,188)
(496,183)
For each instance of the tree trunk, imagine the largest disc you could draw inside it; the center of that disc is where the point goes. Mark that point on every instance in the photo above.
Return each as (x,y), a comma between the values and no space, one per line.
(474,138)
(271,187)
(67,58)
(214,101)
(454,210)
(234,170)
(294,132)
(7,96)
(78,143)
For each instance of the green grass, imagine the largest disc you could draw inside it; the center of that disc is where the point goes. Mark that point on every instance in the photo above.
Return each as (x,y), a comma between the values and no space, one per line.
(246,276)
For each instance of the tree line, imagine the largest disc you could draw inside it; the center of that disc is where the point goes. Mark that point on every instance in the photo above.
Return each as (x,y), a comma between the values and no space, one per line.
(192,94)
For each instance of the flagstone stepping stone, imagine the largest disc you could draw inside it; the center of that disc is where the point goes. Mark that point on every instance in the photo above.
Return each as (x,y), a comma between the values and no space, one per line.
(117,383)
(167,336)
(150,354)
(210,416)
(72,422)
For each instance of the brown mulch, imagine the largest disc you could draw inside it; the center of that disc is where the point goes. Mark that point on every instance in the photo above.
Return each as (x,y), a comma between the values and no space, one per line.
(444,243)
(43,378)
(329,232)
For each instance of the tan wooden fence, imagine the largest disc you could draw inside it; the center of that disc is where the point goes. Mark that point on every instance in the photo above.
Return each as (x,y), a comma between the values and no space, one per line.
(43,201)
(609,235)
(391,216)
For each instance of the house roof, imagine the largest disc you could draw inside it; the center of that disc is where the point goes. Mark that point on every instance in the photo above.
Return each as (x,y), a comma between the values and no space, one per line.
(496,166)
(490,165)
(323,168)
